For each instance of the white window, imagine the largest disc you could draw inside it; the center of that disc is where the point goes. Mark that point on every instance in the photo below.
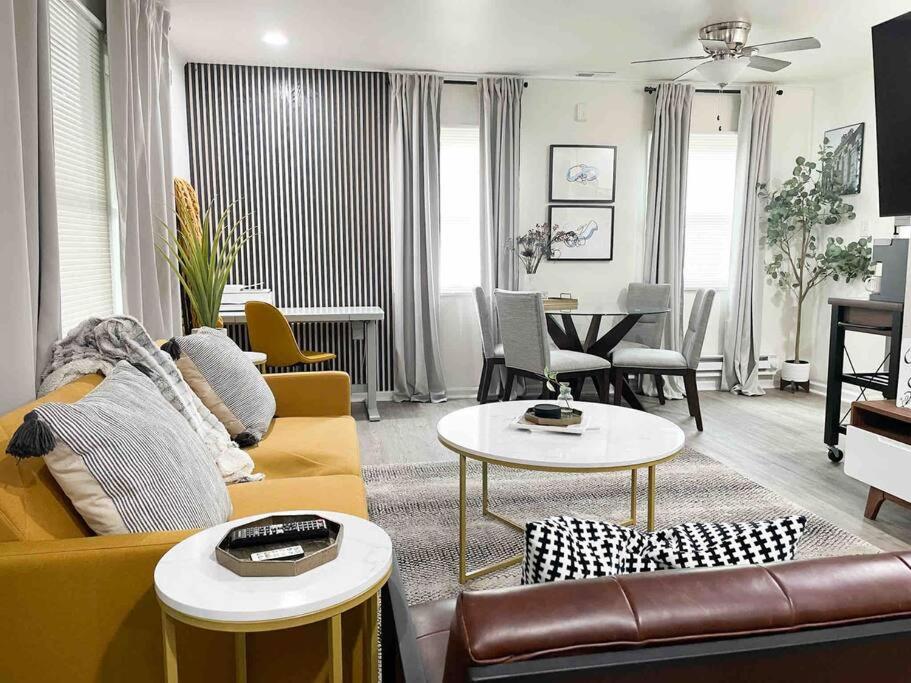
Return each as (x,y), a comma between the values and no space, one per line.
(709,209)
(460,219)
(88,255)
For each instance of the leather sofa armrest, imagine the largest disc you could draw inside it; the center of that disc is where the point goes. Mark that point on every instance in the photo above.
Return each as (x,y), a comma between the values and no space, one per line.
(83,595)
(311,394)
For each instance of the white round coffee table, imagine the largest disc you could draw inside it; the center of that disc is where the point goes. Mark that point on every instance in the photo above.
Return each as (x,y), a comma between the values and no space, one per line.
(195,589)
(625,439)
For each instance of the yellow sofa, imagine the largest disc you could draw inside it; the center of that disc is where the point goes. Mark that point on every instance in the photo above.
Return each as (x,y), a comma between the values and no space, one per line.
(78,608)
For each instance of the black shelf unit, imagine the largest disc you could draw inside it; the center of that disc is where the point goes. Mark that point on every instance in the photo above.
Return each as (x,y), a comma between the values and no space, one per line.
(882,318)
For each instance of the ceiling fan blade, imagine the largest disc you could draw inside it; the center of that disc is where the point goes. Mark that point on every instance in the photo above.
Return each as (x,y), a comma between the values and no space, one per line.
(716,45)
(668,59)
(785,46)
(767,63)
(689,70)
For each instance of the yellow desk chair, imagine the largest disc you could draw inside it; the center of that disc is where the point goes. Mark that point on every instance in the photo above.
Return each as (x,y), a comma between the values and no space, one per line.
(271,334)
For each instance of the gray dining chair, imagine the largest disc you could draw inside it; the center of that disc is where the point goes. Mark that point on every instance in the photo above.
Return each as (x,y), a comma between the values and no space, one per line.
(492,352)
(647,331)
(667,362)
(527,352)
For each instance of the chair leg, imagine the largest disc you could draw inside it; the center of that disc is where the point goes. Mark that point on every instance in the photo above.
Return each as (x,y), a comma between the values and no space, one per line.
(480,395)
(507,387)
(659,387)
(692,396)
(603,384)
(484,386)
(577,385)
(618,385)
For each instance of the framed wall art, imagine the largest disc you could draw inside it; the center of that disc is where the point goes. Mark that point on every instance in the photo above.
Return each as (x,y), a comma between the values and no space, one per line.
(582,173)
(581,232)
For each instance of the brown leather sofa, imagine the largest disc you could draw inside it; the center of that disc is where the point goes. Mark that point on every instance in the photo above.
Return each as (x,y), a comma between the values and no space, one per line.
(834,620)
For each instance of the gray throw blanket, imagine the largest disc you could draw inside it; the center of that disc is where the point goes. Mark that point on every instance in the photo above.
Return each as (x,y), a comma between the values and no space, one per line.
(97,345)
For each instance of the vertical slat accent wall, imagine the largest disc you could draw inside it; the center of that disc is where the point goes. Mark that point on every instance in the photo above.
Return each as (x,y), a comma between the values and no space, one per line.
(303,152)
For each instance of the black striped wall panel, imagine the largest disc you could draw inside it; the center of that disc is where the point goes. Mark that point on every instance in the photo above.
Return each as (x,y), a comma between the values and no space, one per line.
(303,152)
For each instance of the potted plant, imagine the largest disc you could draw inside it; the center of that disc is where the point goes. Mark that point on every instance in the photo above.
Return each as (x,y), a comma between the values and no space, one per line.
(800,256)
(202,253)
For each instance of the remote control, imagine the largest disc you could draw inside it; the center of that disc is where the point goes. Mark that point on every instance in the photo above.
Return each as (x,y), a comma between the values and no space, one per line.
(278,533)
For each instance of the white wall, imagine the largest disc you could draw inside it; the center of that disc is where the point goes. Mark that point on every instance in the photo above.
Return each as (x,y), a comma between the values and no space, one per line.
(838,103)
(180,148)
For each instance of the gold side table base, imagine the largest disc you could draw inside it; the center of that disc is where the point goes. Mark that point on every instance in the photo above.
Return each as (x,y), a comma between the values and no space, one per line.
(465,575)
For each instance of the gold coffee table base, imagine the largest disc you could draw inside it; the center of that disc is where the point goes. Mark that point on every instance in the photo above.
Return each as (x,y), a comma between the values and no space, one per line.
(465,575)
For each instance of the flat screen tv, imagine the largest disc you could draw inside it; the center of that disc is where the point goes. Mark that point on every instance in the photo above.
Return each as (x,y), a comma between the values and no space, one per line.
(892,76)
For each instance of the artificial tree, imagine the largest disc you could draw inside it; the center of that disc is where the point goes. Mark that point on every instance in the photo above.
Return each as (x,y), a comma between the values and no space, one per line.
(800,257)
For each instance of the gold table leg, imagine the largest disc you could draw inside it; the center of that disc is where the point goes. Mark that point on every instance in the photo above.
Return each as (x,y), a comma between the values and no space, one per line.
(633,493)
(240,657)
(372,645)
(170,648)
(651,497)
(335,648)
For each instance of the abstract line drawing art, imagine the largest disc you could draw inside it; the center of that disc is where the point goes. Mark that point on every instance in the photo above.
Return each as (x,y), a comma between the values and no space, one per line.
(581,232)
(582,173)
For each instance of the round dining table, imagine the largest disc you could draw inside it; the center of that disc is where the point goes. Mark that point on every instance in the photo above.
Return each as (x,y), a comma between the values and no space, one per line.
(561,325)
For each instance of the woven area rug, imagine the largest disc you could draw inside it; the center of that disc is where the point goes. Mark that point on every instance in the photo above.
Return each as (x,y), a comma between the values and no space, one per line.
(418,505)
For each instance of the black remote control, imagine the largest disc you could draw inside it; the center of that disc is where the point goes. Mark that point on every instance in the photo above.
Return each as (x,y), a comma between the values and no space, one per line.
(278,533)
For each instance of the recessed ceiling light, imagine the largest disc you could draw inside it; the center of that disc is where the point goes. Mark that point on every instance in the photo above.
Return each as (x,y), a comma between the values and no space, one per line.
(275,38)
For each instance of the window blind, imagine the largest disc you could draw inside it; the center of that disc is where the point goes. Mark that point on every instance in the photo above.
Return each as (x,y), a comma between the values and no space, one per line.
(709,209)
(460,217)
(81,163)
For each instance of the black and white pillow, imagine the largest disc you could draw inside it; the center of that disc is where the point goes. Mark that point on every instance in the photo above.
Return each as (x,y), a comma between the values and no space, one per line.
(563,548)
(226,382)
(126,459)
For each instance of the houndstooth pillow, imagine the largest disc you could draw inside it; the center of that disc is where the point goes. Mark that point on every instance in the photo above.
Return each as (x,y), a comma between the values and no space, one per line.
(563,548)
(226,382)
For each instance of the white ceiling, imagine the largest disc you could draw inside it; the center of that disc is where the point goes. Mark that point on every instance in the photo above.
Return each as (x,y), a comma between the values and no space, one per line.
(529,37)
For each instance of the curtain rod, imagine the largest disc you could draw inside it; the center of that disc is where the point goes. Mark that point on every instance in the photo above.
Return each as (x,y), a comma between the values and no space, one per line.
(451,81)
(651,88)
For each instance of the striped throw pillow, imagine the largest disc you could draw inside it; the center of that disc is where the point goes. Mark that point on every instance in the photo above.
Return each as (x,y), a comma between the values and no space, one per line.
(226,382)
(127,460)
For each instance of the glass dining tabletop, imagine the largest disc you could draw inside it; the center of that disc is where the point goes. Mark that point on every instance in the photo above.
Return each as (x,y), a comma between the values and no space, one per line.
(608,310)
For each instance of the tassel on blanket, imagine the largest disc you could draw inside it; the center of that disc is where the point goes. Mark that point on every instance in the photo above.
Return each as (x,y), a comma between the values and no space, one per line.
(33,438)
(245,440)
(172,348)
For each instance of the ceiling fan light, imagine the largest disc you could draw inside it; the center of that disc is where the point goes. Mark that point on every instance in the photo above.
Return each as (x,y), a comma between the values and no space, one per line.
(722,71)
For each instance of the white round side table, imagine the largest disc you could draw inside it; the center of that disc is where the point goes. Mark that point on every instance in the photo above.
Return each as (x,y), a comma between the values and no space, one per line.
(193,588)
(258,358)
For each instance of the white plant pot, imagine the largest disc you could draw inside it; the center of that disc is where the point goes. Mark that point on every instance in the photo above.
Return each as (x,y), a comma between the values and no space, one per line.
(792,371)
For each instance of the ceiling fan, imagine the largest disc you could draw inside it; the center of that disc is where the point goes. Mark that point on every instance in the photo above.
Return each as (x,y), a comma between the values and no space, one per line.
(728,54)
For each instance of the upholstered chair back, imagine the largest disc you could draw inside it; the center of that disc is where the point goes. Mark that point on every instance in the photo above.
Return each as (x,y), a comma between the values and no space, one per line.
(695,331)
(523,329)
(484,317)
(648,330)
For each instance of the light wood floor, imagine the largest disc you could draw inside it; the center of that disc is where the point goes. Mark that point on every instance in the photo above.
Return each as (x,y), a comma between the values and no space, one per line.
(775,440)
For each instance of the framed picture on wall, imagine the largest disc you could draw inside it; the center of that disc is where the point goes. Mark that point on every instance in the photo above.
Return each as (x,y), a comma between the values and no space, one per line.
(581,232)
(582,173)
(848,155)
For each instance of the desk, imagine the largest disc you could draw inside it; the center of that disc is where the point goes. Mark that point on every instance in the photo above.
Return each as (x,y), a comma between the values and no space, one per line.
(363,321)
(566,337)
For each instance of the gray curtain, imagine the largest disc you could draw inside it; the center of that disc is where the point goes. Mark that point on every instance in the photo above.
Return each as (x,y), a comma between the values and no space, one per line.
(744,316)
(665,220)
(141,141)
(414,165)
(30,298)
(500,106)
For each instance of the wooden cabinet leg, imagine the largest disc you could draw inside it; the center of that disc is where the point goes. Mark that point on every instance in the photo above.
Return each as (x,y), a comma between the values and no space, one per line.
(875,500)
